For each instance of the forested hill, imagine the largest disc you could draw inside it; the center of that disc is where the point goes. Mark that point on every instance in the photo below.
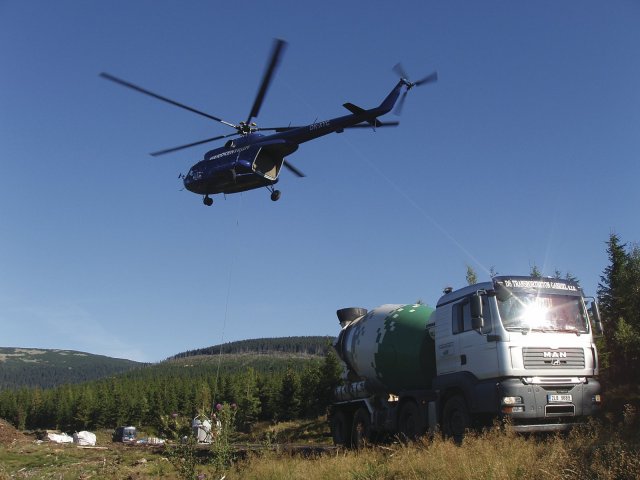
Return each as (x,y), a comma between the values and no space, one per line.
(280,345)
(44,368)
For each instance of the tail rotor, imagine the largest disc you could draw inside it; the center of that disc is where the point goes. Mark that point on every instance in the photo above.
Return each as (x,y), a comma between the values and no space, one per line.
(401,72)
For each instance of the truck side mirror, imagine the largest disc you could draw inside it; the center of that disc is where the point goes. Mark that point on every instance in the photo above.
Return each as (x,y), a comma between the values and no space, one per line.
(502,292)
(597,321)
(477,321)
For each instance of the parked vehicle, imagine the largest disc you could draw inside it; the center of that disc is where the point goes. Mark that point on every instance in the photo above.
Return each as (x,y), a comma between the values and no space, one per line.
(125,434)
(520,348)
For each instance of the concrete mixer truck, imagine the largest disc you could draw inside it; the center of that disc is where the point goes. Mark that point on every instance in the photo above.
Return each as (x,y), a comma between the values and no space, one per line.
(517,348)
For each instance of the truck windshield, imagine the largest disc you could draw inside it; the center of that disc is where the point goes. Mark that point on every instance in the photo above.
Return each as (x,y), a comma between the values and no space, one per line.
(543,312)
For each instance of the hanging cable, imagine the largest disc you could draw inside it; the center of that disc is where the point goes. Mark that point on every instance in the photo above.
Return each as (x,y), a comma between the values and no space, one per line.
(226,307)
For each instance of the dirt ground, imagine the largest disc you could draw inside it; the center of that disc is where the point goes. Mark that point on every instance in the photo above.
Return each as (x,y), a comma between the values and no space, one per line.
(9,434)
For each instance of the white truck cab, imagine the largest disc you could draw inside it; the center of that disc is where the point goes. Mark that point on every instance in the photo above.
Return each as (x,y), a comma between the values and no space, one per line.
(520,346)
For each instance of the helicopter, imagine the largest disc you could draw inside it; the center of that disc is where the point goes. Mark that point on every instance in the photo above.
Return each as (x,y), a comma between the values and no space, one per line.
(249,159)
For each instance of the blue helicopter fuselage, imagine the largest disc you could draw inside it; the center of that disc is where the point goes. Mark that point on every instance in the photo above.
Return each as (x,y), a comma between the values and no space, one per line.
(255,160)
(248,162)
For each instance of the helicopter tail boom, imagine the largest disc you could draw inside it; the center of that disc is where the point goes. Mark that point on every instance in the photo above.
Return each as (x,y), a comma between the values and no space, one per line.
(389,102)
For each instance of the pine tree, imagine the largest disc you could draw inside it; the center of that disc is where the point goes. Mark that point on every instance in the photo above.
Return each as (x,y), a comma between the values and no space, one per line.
(289,402)
(268,392)
(48,416)
(472,278)
(203,400)
(330,373)
(248,401)
(572,278)
(568,276)
(36,409)
(610,290)
(139,409)
(535,272)
(83,411)
(619,297)
(309,382)
(63,413)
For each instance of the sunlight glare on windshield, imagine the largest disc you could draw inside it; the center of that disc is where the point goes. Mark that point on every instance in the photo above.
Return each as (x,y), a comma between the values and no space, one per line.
(534,313)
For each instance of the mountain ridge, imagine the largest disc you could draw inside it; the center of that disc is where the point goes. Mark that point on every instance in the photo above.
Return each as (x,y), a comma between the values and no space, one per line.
(312,345)
(45,368)
(48,368)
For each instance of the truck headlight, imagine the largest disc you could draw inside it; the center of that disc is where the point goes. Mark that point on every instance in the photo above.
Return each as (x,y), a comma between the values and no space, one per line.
(509,405)
(596,399)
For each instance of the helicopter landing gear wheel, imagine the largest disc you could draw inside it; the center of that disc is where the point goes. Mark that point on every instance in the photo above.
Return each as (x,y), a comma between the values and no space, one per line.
(207,200)
(275,195)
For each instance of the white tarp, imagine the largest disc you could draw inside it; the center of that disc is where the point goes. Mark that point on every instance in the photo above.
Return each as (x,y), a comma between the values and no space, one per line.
(59,438)
(201,429)
(84,438)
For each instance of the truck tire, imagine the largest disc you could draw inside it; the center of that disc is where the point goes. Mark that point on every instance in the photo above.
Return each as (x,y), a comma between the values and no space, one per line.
(409,421)
(361,430)
(455,418)
(341,429)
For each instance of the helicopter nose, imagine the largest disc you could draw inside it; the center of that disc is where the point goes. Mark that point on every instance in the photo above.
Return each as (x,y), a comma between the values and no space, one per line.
(187,179)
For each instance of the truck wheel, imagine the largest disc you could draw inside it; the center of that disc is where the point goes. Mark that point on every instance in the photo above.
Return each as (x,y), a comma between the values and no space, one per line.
(409,421)
(361,430)
(341,429)
(455,418)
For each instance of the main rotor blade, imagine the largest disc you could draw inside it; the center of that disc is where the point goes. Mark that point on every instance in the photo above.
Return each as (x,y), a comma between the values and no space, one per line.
(274,129)
(377,125)
(276,53)
(164,99)
(293,169)
(432,77)
(182,147)
(364,124)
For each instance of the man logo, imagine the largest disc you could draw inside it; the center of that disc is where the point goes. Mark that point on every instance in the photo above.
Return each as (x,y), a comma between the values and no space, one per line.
(555,362)
(554,354)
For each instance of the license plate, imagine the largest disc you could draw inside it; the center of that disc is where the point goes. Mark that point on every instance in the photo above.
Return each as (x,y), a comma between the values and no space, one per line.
(559,398)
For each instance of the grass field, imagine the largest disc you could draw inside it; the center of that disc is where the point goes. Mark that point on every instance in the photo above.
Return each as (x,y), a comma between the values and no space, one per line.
(606,449)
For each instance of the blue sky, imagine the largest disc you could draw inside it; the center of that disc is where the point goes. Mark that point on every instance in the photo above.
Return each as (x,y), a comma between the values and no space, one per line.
(525,152)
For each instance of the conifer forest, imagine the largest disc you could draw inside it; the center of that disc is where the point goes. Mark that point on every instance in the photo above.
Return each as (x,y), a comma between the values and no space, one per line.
(280,379)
